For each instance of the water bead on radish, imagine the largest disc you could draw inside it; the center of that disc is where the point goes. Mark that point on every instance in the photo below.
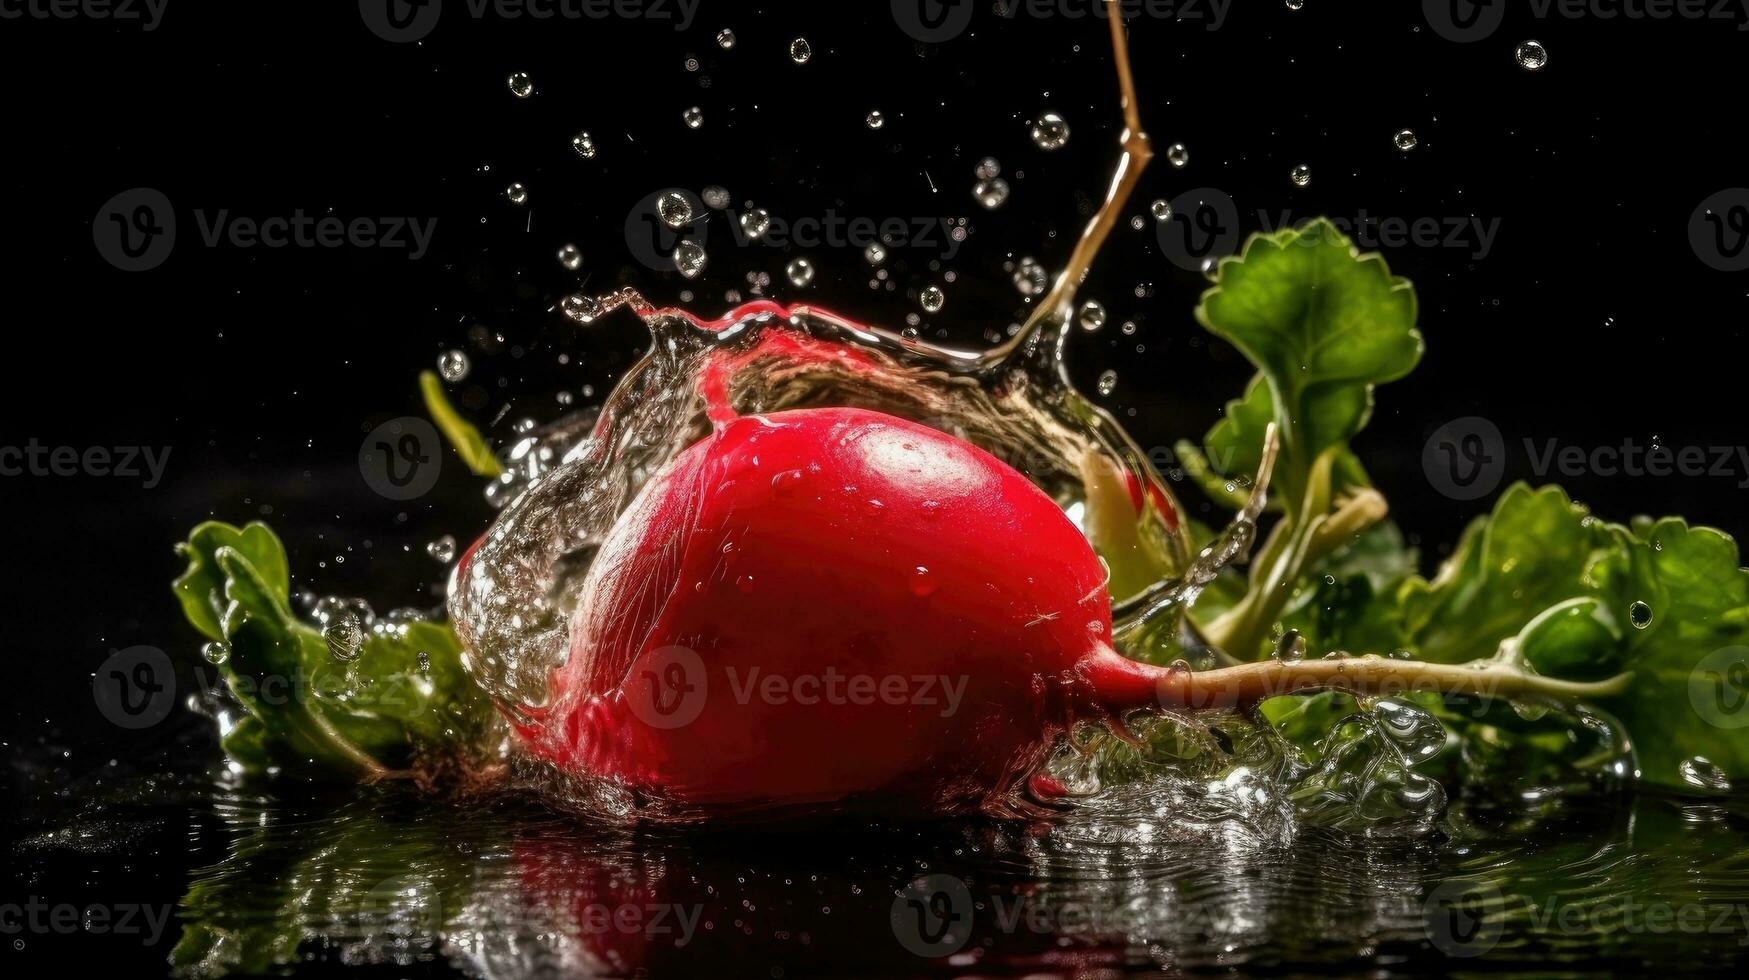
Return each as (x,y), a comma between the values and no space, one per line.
(1532,56)
(689,258)
(800,51)
(674,210)
(453,365)
(1050,132)
(932,299)
(800,272)
(521,85)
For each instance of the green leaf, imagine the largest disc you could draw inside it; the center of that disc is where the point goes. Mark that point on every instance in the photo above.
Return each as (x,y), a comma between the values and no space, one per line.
(1349,603)
(405,699)
(472,447)
(1530,554)
(1323,324)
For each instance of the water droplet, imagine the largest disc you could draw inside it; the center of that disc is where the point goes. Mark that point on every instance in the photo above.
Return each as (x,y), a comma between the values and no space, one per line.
(875,120)
(1030,277)
(1300,175)
(216,652)
(441,549)
(674,209)
(991,193)
(521,85)
(716,197)
(1640,614)
(516,194)
(1295,4)
(800,51)
(584,145)
(923,582)
(1092,315)
(1179,666)
(755,223)
(424,660)
(344,634)
(800,272)
(570,256)
(583,309)
(1108,382)
(1405,140)
(989,168)
(1290,648)
(1050,132)
(932,299)
(1704,773)
(693,117)
(453,365)
(1161,210)
(1178,155)
(1417,735)
(689,258)
(1532,56)
(874,254)
(725,39)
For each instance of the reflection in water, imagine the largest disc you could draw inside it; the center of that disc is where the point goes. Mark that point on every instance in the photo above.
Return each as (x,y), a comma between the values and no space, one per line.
(1172,874)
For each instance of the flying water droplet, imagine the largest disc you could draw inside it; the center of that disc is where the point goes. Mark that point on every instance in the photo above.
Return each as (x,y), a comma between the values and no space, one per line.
(1532,56)
(1295,4)
(584,145)
(344,634)
(1050,132)
(521,85)
(1705,774)
(1178,155)
(1290,648)
(216,652)
(989,168)
(1640,614)
(689,258)
(693,117)
(570,256)
(1030,277)
(800,272)
(516,194)
(1300,175)
(453,365)
(1161,210)
(932,299)
(991,193)
(875,120)
(755,223)
(800,51)
(874,254)
(1108,383)
(441,549)
(725,39)
(1405,140)
(1092,315)
(674,209)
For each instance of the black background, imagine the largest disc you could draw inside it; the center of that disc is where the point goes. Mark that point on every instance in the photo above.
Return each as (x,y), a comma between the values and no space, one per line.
(1592,320)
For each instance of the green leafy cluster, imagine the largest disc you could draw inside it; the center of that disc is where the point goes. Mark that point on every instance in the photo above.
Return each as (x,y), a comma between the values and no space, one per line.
(403,699)
(1538,583)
